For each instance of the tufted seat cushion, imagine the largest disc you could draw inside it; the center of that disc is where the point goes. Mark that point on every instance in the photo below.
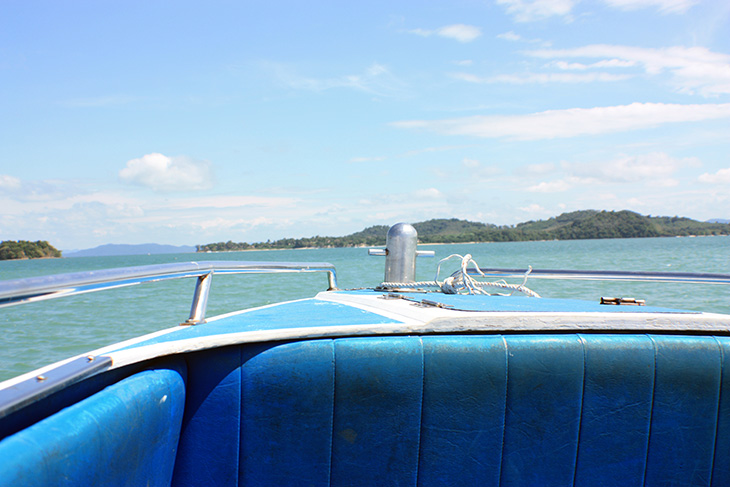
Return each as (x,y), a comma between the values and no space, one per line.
(460,410)
(126,434)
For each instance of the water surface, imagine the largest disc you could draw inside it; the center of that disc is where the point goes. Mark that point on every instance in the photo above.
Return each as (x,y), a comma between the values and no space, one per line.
(41,333)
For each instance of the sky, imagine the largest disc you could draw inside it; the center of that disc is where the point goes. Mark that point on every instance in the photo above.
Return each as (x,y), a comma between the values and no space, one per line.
(180,122)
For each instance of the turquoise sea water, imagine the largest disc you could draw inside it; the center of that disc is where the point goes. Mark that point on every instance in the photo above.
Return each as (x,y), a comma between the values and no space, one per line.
(37,334)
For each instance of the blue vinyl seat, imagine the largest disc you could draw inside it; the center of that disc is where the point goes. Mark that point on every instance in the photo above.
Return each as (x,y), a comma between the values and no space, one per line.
(548,410)
(127,434)
(460,410)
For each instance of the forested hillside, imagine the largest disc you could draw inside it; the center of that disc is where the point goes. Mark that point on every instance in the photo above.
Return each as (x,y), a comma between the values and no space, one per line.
(585,224)
(23,249)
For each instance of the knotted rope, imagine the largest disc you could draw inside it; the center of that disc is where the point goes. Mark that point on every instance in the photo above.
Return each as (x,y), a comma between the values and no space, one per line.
(460,282)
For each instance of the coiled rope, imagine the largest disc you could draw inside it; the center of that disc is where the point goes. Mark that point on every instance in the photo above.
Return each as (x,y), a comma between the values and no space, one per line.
(460,282)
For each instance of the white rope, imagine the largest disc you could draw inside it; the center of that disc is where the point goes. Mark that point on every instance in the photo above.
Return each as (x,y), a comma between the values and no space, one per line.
(460,282)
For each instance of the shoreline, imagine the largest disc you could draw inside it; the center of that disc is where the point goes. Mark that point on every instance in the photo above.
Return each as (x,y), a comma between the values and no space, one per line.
(452,243)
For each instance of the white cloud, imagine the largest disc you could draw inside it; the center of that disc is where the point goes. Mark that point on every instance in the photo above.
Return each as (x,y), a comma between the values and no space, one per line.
(231,202)
(470,163)
(664,6)
(543,78)
(168,174)
(571,122)
(100,101)
(468,77)
(458,32)
(473,170)
(543,168)
(608,63)
(368,159)
(41,191)
(509,36)
(655,168)
(376,79)
(692,69)
(534,209)
(530,10)
(9,182)
(428,193)
(550,186)
(722,176)
(533,10)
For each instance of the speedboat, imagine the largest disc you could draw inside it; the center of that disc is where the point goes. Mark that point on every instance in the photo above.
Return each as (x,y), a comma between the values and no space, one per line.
(467,380)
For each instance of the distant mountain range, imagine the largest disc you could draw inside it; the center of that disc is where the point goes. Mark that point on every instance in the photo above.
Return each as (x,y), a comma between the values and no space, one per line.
(125,249)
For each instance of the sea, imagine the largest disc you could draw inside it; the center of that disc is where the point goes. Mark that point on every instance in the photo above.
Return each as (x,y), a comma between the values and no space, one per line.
(41,333)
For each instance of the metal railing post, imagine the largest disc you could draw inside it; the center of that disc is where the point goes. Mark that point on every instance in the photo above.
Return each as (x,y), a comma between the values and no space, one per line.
(200,300)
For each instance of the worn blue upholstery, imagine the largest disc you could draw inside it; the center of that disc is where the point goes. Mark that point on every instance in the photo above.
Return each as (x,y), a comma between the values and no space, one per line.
(127,434)
(461,410)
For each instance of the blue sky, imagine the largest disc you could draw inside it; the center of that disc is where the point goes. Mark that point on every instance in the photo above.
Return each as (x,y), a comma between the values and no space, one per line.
(189,122)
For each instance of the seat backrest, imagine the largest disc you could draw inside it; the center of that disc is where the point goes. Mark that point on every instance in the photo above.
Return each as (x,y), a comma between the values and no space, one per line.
(572,409)
(126,434)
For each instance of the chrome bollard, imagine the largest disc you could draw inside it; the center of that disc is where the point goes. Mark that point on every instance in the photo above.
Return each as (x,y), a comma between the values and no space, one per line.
(400,253)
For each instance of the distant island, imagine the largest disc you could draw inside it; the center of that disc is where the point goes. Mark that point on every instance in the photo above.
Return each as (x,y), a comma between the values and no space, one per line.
(22,249)
(586,224)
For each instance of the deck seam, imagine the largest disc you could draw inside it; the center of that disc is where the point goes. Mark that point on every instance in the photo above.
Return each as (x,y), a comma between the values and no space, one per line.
(332,425)
(719,402)
(651,409)
(582,403)
(504,415)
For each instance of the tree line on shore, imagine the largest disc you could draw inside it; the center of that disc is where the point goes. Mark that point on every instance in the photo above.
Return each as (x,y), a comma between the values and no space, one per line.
(23,249)
(586,224)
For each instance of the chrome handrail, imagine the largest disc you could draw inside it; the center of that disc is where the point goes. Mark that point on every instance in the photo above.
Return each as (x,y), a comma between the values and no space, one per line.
(591,275)
(18,291)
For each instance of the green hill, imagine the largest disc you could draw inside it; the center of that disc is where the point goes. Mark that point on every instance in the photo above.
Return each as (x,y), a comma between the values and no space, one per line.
(22,249)
(586,224)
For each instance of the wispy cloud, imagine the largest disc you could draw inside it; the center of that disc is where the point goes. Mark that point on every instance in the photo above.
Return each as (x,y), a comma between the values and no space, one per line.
(530,10)
(458,32)
(656,169)
(534,210)
(692,69)
(231,202)
(542,78)
(556,186)
(534,10)
(664,6)
(168,174)
(476,171)
(608,63)
(36,190)
(571,122)
(509,36)
(722,176)
(9,182)
(428,193)
(368,159)
(376,79)
(99,101)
